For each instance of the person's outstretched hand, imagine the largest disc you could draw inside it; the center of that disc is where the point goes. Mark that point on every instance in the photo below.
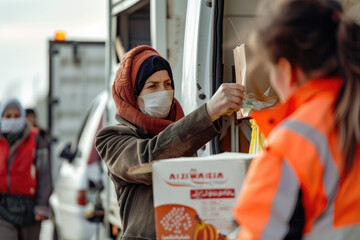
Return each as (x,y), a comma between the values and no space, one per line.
(39,217)
(225,101)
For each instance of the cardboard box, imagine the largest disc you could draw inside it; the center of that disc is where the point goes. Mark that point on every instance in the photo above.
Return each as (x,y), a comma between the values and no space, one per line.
(194,197)
(259,76)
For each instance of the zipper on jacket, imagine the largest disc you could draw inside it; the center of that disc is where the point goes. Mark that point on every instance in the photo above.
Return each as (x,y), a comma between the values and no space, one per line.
(9,165)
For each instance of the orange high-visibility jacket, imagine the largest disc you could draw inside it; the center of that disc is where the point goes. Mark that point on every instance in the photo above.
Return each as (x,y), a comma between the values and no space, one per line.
(296,188)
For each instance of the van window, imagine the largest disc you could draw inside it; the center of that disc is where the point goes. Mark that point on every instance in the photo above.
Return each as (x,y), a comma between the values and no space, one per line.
(86,137)
(132,28)
(111,113)
(75,142)
(94,156)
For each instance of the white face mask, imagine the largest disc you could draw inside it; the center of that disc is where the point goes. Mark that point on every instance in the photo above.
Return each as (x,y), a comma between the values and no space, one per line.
(12,125)
(157,104)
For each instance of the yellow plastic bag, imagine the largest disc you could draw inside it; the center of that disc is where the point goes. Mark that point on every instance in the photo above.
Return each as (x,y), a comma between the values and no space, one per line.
(257,139)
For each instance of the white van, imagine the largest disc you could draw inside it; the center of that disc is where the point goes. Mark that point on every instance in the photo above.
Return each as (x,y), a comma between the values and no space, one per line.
(80,179)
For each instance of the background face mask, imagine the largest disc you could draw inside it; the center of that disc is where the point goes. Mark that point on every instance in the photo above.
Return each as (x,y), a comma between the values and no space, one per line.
(11,125)
(157,104)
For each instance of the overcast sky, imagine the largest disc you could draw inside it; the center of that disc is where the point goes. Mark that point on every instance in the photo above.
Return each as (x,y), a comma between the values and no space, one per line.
(26,26)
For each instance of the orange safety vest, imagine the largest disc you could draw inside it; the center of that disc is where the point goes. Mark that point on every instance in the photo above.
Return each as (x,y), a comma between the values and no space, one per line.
(18,171)
(296,188)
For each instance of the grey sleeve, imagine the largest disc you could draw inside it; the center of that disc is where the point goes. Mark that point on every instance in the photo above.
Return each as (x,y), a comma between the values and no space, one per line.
(122,151)
(44,182)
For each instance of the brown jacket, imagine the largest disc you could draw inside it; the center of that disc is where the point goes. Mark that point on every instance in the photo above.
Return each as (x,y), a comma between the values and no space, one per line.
(124,146)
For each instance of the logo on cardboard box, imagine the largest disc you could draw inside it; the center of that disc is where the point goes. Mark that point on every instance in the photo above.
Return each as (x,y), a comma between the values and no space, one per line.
(195,178)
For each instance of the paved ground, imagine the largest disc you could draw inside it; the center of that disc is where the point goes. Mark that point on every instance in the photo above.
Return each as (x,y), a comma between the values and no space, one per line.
(47,232)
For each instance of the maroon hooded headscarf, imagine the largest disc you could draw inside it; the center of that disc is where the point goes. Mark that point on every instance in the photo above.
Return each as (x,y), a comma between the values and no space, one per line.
(124,97)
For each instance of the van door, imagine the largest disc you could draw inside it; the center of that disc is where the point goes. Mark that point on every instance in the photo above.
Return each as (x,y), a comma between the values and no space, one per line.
(213,29)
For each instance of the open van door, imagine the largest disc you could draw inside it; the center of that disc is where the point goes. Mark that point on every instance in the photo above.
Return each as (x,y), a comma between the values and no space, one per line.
(213,29)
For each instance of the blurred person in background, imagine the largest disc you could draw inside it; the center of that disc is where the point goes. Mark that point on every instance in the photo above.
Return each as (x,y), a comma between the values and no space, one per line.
(152,126)
(32,118)
(25,180)
(305,183)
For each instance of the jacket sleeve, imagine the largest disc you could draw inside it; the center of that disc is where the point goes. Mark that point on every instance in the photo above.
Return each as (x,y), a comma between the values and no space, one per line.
(44,181)
(123,150)
(268,198)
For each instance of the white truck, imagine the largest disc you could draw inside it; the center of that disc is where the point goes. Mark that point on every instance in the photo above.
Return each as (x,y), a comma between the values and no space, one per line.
(76,77)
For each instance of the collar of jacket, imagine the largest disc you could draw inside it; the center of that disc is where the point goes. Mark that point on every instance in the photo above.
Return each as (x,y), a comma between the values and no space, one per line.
(25,134)
(134,128)
(268,119)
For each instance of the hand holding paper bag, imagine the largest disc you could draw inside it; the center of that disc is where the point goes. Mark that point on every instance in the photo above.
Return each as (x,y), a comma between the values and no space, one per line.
(227,100)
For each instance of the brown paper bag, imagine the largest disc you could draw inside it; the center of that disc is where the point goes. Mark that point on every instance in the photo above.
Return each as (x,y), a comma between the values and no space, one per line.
(260,77)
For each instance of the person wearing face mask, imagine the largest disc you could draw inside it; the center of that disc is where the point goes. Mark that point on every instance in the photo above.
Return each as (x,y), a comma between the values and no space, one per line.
(152,126)
(25,180)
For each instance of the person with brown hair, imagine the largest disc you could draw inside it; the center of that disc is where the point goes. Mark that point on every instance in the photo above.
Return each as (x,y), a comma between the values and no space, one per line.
(31,117)
(304,185)
(152,126)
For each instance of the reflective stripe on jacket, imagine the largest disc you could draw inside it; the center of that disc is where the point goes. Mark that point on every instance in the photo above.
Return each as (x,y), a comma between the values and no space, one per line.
(296,188)
(17,168)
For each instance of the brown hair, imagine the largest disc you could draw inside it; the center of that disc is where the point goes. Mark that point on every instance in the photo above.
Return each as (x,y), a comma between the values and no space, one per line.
(316,36)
